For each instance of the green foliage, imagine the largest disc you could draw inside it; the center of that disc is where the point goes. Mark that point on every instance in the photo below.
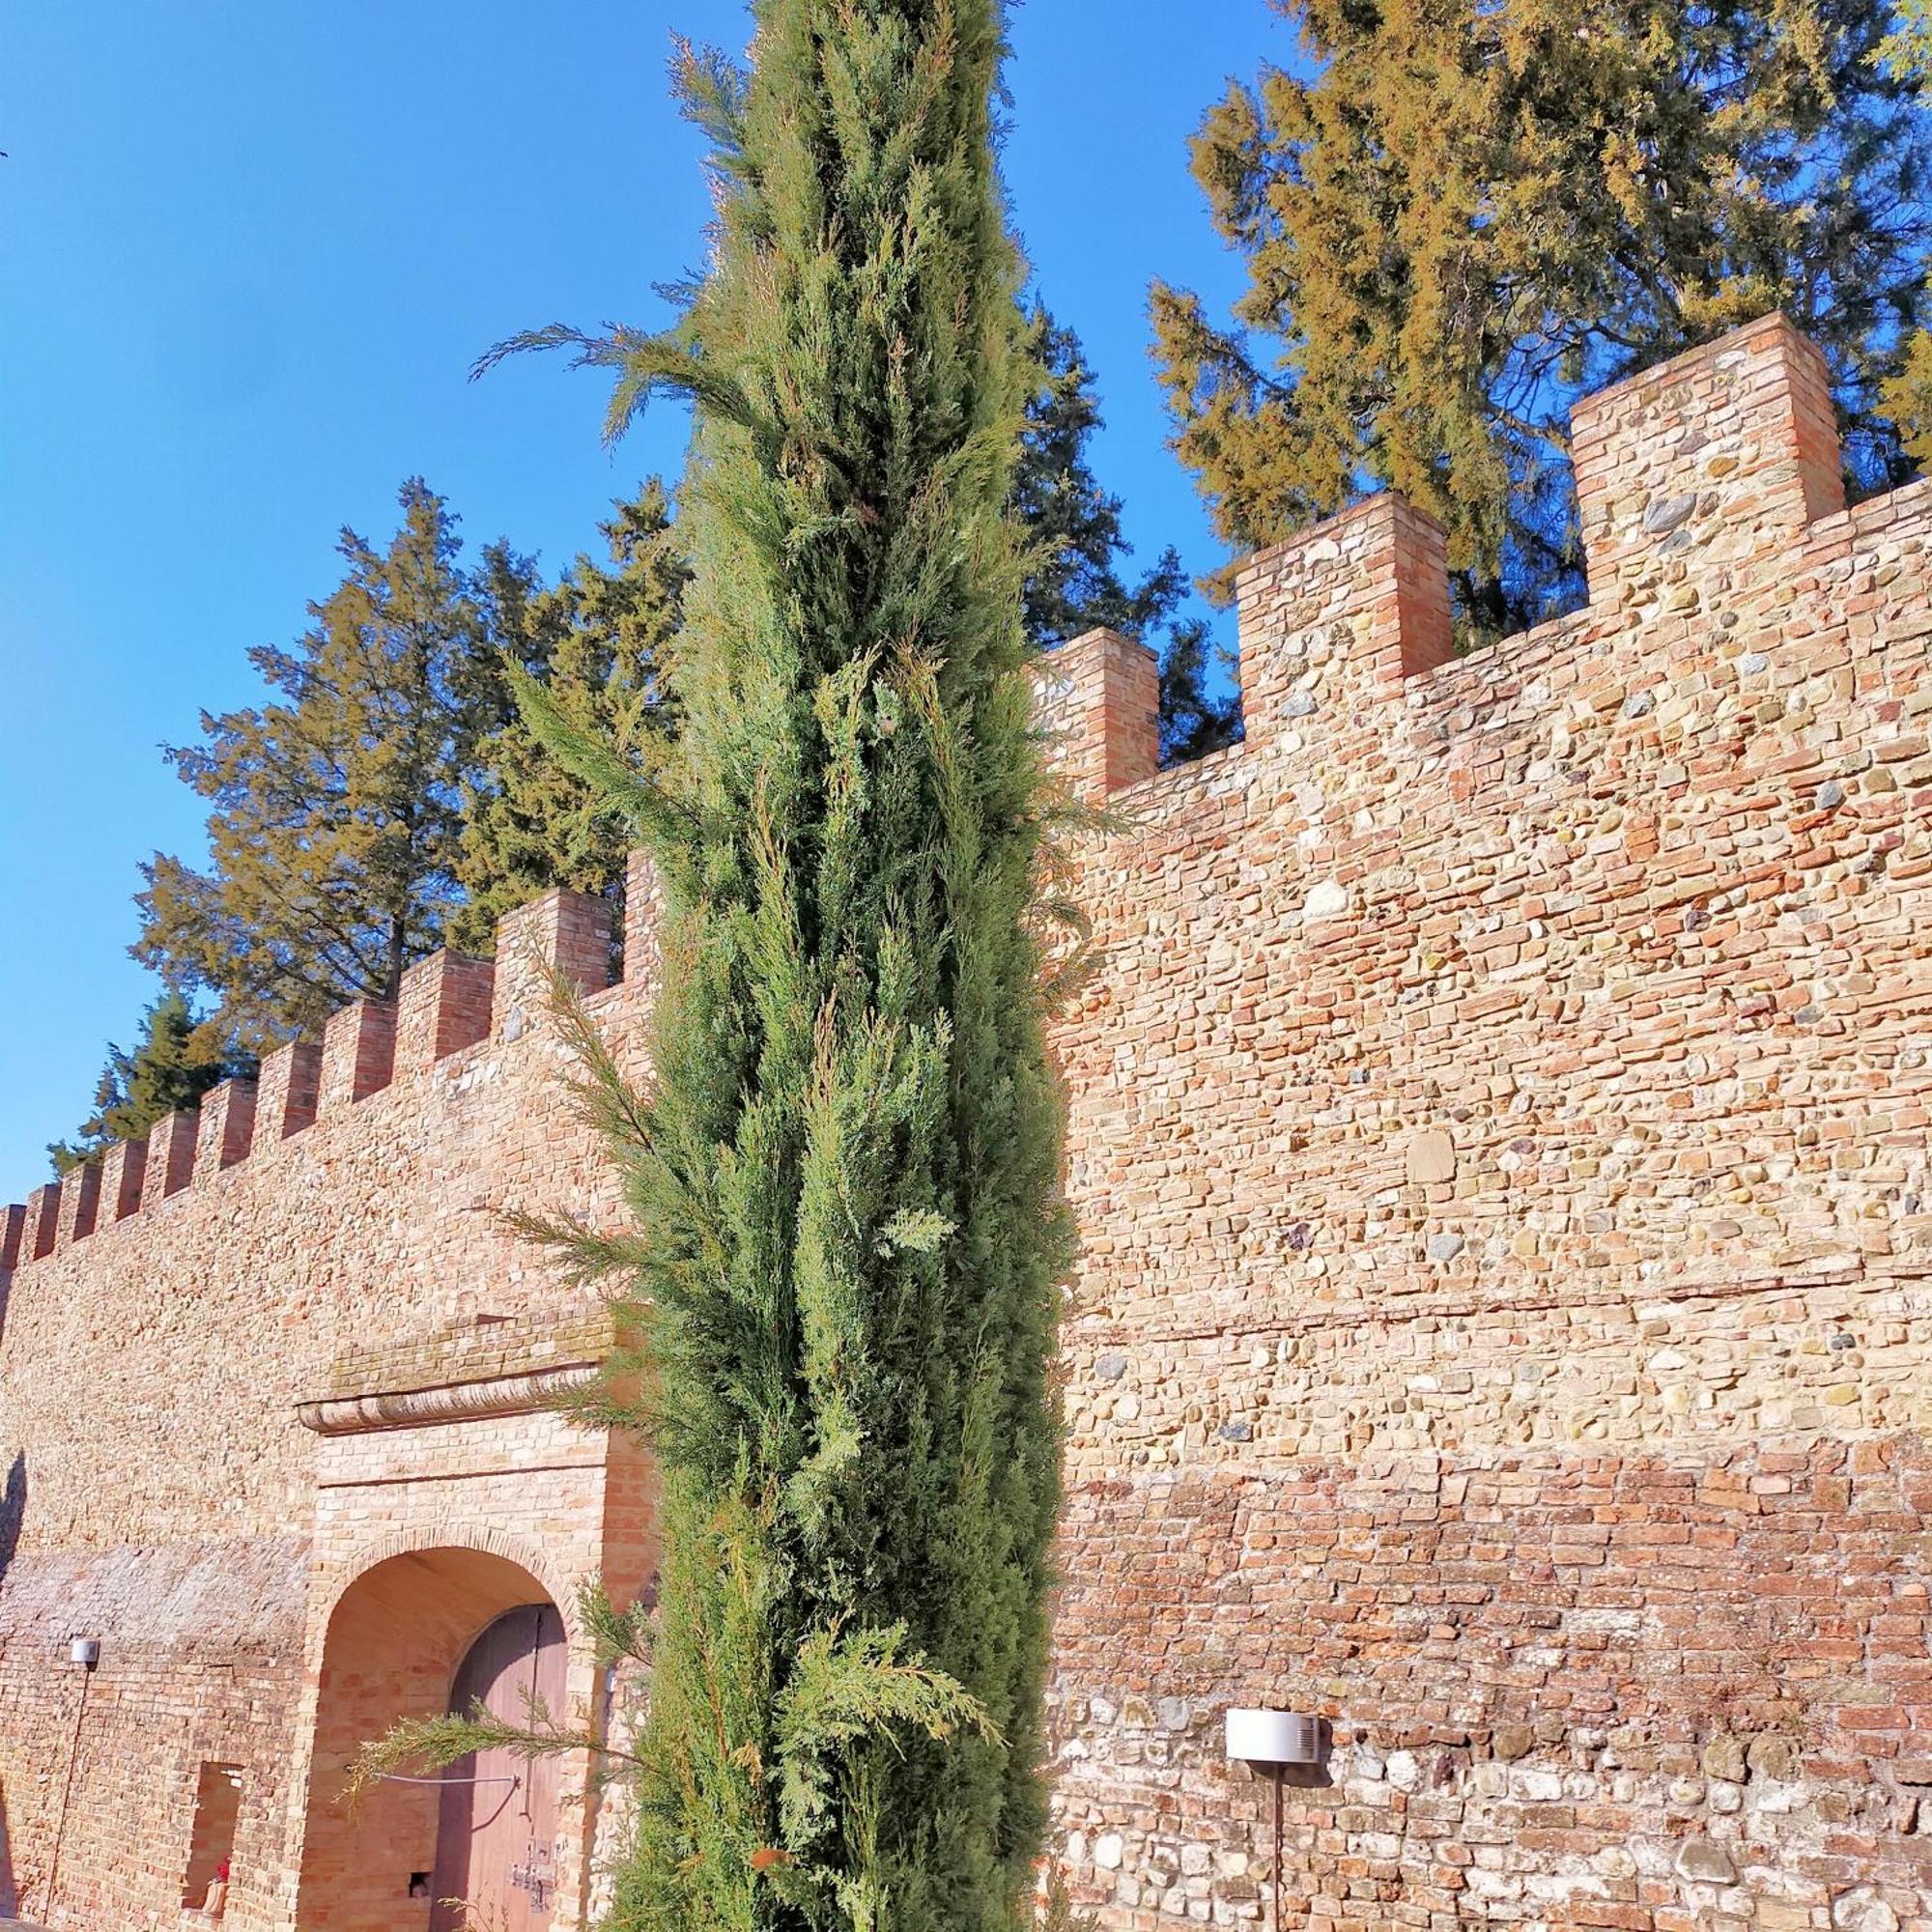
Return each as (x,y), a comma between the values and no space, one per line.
(418,1746)
(1906,54)
(1059,1914)
(1074,529)
(336,808)
(616,1633)
(1906,51)
(605,637)
(176,1063)
(842,1697)
(1908,397)
(850,1243)
(1459,214)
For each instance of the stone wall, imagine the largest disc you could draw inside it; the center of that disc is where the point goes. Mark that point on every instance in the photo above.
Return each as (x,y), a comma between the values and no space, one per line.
(1499,1134)
(222,1404)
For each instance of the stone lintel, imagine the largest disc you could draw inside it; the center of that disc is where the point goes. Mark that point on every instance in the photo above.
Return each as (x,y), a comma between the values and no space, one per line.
(455,1402)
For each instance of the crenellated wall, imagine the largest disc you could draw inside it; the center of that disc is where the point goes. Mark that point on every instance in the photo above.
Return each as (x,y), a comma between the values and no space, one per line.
(180,1482)
(1499,1132)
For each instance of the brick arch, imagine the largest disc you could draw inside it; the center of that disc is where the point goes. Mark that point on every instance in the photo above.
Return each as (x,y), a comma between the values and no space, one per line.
(392,1637)
(447,1533)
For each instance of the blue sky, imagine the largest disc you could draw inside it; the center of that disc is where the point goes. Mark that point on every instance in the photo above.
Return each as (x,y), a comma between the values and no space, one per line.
(249,252)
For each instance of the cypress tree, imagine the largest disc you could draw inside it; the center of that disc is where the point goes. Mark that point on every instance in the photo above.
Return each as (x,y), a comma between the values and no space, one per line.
(851,1238)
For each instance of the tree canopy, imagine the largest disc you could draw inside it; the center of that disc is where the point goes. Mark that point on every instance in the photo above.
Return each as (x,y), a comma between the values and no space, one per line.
(1458,215)
(336,809)
(173,1065)
(607,636)
(391,798)
(1907,393)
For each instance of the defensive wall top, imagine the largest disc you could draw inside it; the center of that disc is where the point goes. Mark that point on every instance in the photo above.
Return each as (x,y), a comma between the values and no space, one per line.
(1719,465)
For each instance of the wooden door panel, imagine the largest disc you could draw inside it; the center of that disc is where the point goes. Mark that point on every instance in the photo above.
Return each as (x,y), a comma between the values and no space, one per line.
(496,1859)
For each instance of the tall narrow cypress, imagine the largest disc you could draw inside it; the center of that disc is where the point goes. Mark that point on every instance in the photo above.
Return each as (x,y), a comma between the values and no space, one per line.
(845,1167)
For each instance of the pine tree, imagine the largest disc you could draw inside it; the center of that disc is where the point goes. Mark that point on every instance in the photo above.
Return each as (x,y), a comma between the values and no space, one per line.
(1907,393)
(1074,527)
(606,638)
(168,1073)
(850,1239)
(336,809)
(1467,212)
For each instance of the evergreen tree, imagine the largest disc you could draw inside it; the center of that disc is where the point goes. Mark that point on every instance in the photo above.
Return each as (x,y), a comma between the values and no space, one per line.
(1074,527)
(850,1239)
(336,809)
(1907,396)
(168,1073)
(532,824)
(1463,213)
(606,640)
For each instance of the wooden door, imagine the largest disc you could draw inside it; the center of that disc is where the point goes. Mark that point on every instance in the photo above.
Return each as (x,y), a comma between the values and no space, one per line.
(496,1849)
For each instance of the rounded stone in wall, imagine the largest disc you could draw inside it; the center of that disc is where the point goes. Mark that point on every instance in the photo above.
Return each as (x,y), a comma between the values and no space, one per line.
(1863,1910)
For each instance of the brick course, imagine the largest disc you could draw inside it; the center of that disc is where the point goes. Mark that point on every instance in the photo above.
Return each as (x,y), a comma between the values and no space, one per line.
(1499,1134)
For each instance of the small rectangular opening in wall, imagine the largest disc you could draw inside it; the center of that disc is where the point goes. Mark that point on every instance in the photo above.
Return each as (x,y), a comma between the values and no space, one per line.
(218,1805)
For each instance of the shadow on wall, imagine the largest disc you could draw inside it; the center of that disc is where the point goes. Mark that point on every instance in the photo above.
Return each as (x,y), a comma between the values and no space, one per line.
(12,1513)
(9,1903)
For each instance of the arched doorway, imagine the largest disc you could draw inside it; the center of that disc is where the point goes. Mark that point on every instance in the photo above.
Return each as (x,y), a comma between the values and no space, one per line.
(497,1833)
(409,1638)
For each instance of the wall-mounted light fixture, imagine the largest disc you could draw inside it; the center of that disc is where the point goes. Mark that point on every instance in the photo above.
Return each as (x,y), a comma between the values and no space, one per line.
(83,1652)
(1269,1743)
(1273,1738)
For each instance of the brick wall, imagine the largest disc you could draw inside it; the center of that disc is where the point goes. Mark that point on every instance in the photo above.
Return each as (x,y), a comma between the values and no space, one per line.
(164,1495)
(1499,1132)
(1501,1136)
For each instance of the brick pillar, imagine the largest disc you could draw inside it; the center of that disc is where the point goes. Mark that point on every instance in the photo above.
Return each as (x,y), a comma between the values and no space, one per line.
(288,1092)
(1714,458)
(358,1054)
(643,920)
(81,1203)
(121,1171)
(227,1127)
(563,932)
(1341,614)
(442,1008)
(13,1232)
(1099,697)
(42,1222)
(171,1151)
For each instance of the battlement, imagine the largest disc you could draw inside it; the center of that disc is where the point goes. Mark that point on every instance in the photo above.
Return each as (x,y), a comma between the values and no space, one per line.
(1697,480)
(1498,1133)
(1709,490)
(449,1008)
